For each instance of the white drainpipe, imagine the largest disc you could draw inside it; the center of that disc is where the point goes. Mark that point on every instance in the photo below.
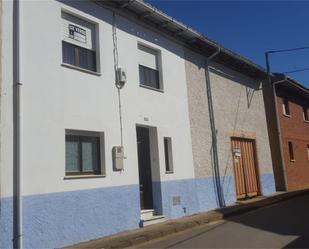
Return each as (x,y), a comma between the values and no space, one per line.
(18,231)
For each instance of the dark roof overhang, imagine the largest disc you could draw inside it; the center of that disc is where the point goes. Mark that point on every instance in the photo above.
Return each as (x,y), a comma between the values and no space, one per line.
(290,85)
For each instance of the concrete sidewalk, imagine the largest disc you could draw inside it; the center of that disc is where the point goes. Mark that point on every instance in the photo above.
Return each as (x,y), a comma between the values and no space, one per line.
(138,236)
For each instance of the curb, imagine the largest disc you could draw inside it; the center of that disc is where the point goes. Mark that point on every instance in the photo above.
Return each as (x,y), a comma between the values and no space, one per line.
(142,235)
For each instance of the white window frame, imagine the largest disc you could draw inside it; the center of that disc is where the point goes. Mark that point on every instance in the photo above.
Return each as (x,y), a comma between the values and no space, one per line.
(102,164)
(96,43)
(286,106)
(305,113)
(159,66)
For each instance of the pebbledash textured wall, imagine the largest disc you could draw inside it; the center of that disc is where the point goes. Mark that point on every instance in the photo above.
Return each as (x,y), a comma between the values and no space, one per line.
(239,111)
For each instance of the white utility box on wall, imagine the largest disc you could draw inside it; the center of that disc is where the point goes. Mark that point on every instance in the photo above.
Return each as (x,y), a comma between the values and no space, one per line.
(118,156)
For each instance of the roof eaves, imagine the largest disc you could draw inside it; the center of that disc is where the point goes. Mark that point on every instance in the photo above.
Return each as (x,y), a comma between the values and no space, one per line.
(201,36)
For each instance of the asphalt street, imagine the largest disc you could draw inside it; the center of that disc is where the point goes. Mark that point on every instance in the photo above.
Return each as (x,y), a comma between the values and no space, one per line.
(283,225)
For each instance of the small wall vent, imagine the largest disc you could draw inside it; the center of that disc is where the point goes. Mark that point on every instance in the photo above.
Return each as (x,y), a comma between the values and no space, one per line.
(176,200)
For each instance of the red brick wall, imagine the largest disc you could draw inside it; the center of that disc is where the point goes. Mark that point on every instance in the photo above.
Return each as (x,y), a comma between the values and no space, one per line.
(296,130)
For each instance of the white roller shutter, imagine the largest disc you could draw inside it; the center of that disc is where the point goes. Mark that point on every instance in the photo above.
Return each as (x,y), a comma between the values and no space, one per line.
(147,57)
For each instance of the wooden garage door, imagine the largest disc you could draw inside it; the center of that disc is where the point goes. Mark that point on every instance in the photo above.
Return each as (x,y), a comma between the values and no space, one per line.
(244,163)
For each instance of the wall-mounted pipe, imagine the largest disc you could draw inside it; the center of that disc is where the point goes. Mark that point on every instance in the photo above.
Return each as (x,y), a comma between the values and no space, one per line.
(273,85)
(219,193)
(18,231)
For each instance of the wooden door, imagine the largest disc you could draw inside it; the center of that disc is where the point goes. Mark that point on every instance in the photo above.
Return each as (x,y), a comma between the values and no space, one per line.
(245,168)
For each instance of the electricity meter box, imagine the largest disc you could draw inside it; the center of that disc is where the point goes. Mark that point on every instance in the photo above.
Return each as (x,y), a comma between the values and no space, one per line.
(121,77)
(118,156)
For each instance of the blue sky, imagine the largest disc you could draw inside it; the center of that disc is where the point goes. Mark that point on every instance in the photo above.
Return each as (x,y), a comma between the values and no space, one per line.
(250,28)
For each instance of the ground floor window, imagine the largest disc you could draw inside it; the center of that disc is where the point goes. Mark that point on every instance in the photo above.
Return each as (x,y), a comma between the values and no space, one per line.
(82,154)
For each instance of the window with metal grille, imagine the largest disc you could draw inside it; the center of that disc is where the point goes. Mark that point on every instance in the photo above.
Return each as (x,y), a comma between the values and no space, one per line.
(82,154)
(291,151)
(149,70)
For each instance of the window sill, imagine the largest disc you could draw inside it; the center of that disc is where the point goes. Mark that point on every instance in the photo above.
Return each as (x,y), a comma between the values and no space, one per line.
(152,88)
(293,161)
(286,115)
(169,172)
(306,121)
(83,177)
(80,69)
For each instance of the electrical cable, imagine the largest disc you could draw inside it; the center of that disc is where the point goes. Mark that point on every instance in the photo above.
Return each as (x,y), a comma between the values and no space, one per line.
(116,66)
(286,50)
(297,70)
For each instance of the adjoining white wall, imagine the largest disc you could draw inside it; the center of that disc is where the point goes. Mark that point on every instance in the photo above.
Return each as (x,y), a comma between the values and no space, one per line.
(6,98)
(56,98)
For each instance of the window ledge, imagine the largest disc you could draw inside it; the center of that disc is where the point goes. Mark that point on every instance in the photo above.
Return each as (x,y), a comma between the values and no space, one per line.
(80,69)
(286,115)
(306,121)
(169,172)
(152,88)
(292,160)
(83,177)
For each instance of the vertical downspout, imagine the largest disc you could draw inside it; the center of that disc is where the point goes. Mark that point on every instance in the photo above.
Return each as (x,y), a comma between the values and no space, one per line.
(221,201)
(273,85)
(16,127)
(279,132)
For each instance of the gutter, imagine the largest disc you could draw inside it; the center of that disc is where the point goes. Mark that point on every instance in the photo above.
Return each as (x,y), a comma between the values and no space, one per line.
(160,21)
(192,32)
(220,195)
(18,231)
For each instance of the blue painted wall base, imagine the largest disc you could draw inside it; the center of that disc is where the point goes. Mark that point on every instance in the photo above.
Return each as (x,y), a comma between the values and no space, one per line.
(183,190)
(60,219)
(6,222)
(268,184)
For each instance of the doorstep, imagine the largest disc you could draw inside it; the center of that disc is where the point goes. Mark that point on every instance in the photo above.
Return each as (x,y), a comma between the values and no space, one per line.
(149,217)
(138,236)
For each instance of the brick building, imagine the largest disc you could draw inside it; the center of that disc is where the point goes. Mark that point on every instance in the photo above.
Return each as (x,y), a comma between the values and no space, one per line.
(290,139)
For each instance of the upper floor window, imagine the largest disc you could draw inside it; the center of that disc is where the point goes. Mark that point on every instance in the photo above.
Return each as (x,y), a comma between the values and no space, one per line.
(149,68)
(305,113)
(291,151)
(286,107)
(78,43)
